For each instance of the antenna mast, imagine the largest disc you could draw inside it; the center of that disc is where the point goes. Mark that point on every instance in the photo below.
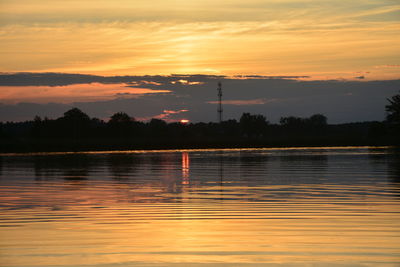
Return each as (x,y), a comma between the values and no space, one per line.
(219,102)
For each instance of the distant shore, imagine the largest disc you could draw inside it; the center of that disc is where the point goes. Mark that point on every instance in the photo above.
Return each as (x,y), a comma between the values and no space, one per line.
(27,145)
(76,131)
(99,152)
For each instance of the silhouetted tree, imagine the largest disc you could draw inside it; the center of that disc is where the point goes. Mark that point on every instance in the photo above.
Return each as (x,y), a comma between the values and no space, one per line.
(377,130)
(292,122)
(253,125)
(157,123)
(315,122)
(178,130)
(76,115)
(37,126)
(231,128)
(393,109)
(318,121)
(120,124)
(157,127)
(1,130)
(121,117)
(76,130)
(74,123)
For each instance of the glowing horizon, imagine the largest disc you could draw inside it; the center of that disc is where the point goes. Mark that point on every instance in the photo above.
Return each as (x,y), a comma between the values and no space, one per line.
(292,37)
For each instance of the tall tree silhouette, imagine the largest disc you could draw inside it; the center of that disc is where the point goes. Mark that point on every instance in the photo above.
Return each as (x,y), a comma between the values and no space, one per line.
(393,109)
(120,124)
(292,123)
(157,127)
(318,121)
(75,123)
(253,125)
(76,115)
(120,117)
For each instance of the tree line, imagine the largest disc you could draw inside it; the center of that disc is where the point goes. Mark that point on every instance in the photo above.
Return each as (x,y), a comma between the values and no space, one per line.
(77,124)
(75,130)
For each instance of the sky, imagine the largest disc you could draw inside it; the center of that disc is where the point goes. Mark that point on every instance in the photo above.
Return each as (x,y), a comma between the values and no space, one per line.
(341,45)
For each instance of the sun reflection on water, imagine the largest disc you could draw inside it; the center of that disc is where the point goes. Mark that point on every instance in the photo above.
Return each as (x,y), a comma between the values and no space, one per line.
(235,208)
(185,168)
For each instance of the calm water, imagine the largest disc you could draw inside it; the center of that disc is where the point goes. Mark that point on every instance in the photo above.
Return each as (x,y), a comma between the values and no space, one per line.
(268,207)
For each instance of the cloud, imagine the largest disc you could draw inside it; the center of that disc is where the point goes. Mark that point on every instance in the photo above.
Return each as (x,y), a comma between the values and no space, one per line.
(63,79)
(275,45)
(167,115)
(247,77)
(272,97)
(175,111)
(186,82)
(150,82)
(56,11)
(260,49)
(71,93)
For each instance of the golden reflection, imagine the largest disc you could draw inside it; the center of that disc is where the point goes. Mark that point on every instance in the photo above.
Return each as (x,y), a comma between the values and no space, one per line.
(140,223)
(185,168)
(299,232)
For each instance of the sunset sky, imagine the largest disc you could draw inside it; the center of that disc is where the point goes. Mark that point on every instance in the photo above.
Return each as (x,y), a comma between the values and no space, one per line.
(324,40)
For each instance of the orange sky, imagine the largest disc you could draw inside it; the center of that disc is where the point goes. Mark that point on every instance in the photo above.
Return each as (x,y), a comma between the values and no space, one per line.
(71,93)
(323,39)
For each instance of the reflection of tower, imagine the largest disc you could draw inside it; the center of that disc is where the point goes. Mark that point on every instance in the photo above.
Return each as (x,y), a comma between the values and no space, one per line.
(221,170)
(219,102)
(221,176)
(185,168)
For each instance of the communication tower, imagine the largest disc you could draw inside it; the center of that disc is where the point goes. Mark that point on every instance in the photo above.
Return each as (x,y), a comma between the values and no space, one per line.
(219,102)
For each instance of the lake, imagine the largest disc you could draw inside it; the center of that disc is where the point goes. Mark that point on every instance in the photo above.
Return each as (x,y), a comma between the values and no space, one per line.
(231,207)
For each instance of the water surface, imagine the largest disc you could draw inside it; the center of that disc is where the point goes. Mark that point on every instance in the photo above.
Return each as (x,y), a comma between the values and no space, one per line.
(263,207)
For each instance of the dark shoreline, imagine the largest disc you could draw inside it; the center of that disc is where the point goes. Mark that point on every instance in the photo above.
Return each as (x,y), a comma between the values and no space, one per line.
(138,151)
(96,145)
(76,131)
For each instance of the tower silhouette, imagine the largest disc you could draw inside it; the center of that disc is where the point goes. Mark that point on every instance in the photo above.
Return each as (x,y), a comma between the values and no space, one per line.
(219,102)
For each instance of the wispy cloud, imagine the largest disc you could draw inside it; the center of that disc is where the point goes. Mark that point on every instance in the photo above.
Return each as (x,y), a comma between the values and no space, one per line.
(186,82)
(71,93)
(168,115)
(277,38)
